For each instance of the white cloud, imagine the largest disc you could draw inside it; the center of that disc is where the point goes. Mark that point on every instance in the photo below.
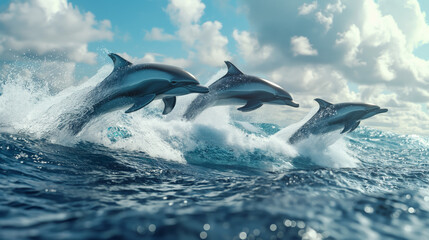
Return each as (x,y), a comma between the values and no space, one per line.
(301,46)
(325,20)
(384,70)
(307,8)
(363,52)
(351,40)
(249,47)
(52,7)
(185,12)
(410,20)
(51,29)
(157,34)
(205,40)
(335,7)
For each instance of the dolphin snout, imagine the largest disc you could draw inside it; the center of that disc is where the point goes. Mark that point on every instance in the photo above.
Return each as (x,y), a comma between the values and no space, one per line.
(373,111)
(382,110)
(287,98)
(292,104)
(377,109)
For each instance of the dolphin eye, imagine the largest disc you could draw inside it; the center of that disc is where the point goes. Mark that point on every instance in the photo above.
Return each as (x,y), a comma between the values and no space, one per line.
(174,82)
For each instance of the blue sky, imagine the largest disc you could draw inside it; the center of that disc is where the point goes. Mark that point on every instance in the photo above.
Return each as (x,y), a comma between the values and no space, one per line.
(133,20)
(373,51)
(141,16)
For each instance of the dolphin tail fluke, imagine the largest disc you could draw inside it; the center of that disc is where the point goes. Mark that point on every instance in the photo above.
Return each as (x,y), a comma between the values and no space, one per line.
(250,106)
(169,103)
(141,102)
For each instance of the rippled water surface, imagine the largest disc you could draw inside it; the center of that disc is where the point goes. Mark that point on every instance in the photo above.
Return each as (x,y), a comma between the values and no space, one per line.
(144,176)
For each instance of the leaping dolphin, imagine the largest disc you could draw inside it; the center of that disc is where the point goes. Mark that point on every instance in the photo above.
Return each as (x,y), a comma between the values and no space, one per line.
(135,86)
(332,117)
(237,88)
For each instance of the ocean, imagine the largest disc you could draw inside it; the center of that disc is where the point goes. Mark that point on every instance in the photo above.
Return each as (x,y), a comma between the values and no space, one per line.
(148,176)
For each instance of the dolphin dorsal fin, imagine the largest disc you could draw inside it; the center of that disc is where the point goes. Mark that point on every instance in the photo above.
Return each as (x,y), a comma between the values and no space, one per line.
(232,70)
(119,61)
(322,103)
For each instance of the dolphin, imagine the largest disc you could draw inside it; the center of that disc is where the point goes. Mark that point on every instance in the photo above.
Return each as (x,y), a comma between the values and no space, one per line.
(332,117)
(134,86)
(237,88)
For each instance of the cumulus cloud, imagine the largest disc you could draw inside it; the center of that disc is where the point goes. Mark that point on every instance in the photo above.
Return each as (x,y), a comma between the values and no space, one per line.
(49,29)
(205,40)
(360,51)
(307,8)
(157,34)
(301,46)
(249,47)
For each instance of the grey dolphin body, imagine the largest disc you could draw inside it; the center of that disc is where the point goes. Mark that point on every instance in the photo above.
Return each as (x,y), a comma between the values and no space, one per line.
(237,88)
(135,86)
(332,117)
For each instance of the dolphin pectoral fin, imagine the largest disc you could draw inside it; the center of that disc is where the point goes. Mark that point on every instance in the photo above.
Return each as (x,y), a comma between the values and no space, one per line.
(169,103)
(354,127)
(250,106)
(141,102)
(350,126)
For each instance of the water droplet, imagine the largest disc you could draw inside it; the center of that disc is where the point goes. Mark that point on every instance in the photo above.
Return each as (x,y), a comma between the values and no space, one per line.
(368,209)
(203,235)
(408,228)
(140,229)
(256,232)
(411,210)
(287,223)
(152,227)
(206,227)
(273,227)
(242,235)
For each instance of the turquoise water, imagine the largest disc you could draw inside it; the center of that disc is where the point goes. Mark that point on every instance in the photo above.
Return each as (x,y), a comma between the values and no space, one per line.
(145,176)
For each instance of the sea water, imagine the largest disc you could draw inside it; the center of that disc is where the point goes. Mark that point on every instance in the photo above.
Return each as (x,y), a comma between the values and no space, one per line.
(148,176)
